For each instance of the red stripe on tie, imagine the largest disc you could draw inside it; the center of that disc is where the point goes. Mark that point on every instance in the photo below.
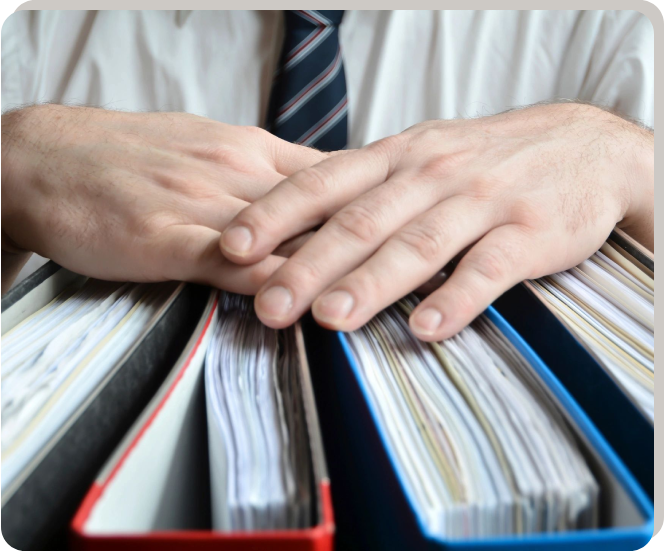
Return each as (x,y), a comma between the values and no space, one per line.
(302,94)
(304,44)
(323,123)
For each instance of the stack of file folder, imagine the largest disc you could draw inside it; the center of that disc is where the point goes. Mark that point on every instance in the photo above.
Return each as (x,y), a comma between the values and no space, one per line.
(482,448)
(255,478)
(167,417)
(382,461)
(596,337)
(259,450)
(608,302)
(54,358)
(75,395)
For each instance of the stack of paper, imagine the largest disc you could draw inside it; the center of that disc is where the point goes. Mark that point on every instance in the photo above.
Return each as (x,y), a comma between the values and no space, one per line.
(480,445)
(259,451)
(53,360)
(608,302)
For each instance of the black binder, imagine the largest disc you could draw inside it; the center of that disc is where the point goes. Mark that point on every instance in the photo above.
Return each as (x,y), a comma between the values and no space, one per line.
(39,504)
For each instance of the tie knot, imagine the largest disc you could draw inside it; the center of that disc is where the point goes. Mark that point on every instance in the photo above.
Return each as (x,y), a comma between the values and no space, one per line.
(307,19)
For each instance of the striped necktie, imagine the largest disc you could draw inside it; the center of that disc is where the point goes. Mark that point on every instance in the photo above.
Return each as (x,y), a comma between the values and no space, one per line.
(308,104)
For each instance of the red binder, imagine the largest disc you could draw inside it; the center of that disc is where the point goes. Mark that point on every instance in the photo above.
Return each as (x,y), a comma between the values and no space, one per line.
(153,493)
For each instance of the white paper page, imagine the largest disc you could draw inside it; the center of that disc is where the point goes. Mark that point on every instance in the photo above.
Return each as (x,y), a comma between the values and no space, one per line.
(58,375)
(259,455)
(515,463)
(609,305)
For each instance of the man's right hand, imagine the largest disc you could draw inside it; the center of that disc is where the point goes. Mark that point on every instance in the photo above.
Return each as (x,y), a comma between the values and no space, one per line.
(136,197)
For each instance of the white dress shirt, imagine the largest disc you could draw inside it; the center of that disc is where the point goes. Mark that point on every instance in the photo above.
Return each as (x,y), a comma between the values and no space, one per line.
(402,67)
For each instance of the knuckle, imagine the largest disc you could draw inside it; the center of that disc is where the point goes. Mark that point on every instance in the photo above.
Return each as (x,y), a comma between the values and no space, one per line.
(389,149)
(154,223)
(257,275)
(226,157)
(526,214)
(494,264)
(301,273)
(182,184)
(263,217)
(441,167)
(256,131)
(311,181)
(461,300)
(390,145)
(357,221)
(219,153)
(255,217)
(425,240)
(485,188)
(368,285)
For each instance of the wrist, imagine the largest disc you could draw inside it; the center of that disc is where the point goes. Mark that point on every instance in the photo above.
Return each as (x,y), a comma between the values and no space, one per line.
(18,144)
(639,159)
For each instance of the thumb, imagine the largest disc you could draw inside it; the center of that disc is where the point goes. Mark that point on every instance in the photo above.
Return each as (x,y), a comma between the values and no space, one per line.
(191,253)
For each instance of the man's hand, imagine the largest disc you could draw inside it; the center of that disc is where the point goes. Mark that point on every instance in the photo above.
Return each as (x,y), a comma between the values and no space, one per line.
(139,197)
(532,191)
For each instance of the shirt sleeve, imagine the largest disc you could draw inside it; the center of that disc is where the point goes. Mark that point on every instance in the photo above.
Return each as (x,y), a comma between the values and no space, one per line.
(11,82)
(622,66)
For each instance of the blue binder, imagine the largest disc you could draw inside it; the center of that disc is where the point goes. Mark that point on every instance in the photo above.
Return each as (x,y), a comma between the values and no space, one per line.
(372,504)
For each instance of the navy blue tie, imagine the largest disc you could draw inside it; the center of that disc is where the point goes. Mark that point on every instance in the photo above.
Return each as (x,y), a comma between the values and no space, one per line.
(308,104)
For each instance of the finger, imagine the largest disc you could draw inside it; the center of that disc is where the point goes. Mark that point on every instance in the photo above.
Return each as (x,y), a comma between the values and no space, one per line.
(407,260)
(214,213)
(249,184)
(217,215)
(349,238)
(191,253)
(441,277)
(304,200)
(236,176)
(504,257)
(288,157)
(288,248)
(248,188)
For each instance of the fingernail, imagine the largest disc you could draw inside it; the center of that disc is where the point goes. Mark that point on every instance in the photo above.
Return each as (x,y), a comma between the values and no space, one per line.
(427,321)
(275,303)
(334,306)
(237,240)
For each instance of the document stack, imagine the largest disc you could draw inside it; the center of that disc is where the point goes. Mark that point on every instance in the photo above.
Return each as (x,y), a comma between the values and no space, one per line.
(608,302)
(592,327)
(259,450)
(483,449)
(52,361)
(228,453)
(471,443)
(80,359)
